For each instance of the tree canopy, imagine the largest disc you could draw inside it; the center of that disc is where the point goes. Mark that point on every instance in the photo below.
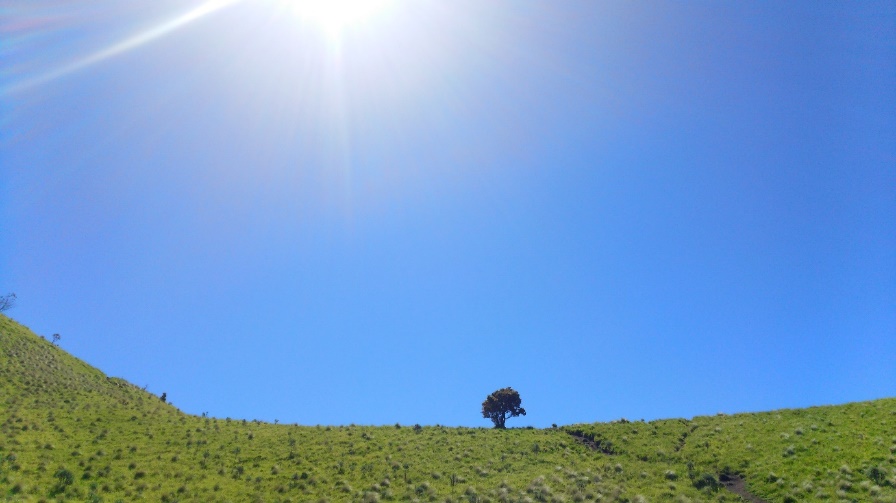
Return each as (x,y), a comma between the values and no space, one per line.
(501,405)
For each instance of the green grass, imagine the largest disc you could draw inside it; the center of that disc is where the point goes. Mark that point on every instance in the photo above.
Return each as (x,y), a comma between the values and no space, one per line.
(69,433)
(835,453)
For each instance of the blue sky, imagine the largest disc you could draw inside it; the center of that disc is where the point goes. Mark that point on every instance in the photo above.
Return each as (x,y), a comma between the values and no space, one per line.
(620,209)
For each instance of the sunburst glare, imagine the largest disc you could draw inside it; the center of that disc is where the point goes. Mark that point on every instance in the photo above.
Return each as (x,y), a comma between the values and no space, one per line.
(334,16)
(132,42)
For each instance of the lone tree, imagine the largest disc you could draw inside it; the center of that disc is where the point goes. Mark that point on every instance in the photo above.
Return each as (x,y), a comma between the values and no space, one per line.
(501,405)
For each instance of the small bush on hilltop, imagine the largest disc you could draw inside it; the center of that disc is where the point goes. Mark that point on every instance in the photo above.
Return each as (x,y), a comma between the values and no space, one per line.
(7,302)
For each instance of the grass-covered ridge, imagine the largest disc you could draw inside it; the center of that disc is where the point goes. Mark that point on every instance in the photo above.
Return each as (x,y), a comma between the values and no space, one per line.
(70,433)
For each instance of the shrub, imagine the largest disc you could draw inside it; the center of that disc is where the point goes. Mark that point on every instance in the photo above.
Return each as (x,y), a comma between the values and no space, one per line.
(65,478)
(706,480)
(7,301)
(877,474)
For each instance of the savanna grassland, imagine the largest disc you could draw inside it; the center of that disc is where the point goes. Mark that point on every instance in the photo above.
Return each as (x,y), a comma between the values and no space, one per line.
(70,433)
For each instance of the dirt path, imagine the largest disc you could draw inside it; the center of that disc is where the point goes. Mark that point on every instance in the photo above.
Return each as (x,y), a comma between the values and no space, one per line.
(734,483)
(684,438)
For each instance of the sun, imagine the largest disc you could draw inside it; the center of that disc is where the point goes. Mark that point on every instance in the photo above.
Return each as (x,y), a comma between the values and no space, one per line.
(335,16)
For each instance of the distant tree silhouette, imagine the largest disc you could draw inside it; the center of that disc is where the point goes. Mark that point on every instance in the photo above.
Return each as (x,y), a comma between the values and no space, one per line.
(501,405)
(164,397)
(7,301)
(56,338)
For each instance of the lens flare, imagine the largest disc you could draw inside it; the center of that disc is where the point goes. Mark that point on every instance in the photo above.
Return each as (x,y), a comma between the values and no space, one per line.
(137,40)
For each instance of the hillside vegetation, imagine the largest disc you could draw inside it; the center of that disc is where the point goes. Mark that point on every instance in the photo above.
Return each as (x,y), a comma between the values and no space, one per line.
(70,433)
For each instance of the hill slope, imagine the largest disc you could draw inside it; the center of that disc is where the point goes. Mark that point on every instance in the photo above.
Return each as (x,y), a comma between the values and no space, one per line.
(69,433)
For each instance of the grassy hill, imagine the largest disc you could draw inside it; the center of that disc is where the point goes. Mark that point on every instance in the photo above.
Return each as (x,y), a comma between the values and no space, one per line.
(70,433)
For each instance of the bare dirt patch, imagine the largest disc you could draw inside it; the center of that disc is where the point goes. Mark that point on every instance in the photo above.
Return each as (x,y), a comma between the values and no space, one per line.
(735,483)
(593,444)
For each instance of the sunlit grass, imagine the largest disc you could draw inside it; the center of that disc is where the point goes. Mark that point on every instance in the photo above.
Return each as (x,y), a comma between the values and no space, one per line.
(69,433)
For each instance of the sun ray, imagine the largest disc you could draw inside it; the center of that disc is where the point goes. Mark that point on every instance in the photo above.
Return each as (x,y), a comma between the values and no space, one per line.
(123,46)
